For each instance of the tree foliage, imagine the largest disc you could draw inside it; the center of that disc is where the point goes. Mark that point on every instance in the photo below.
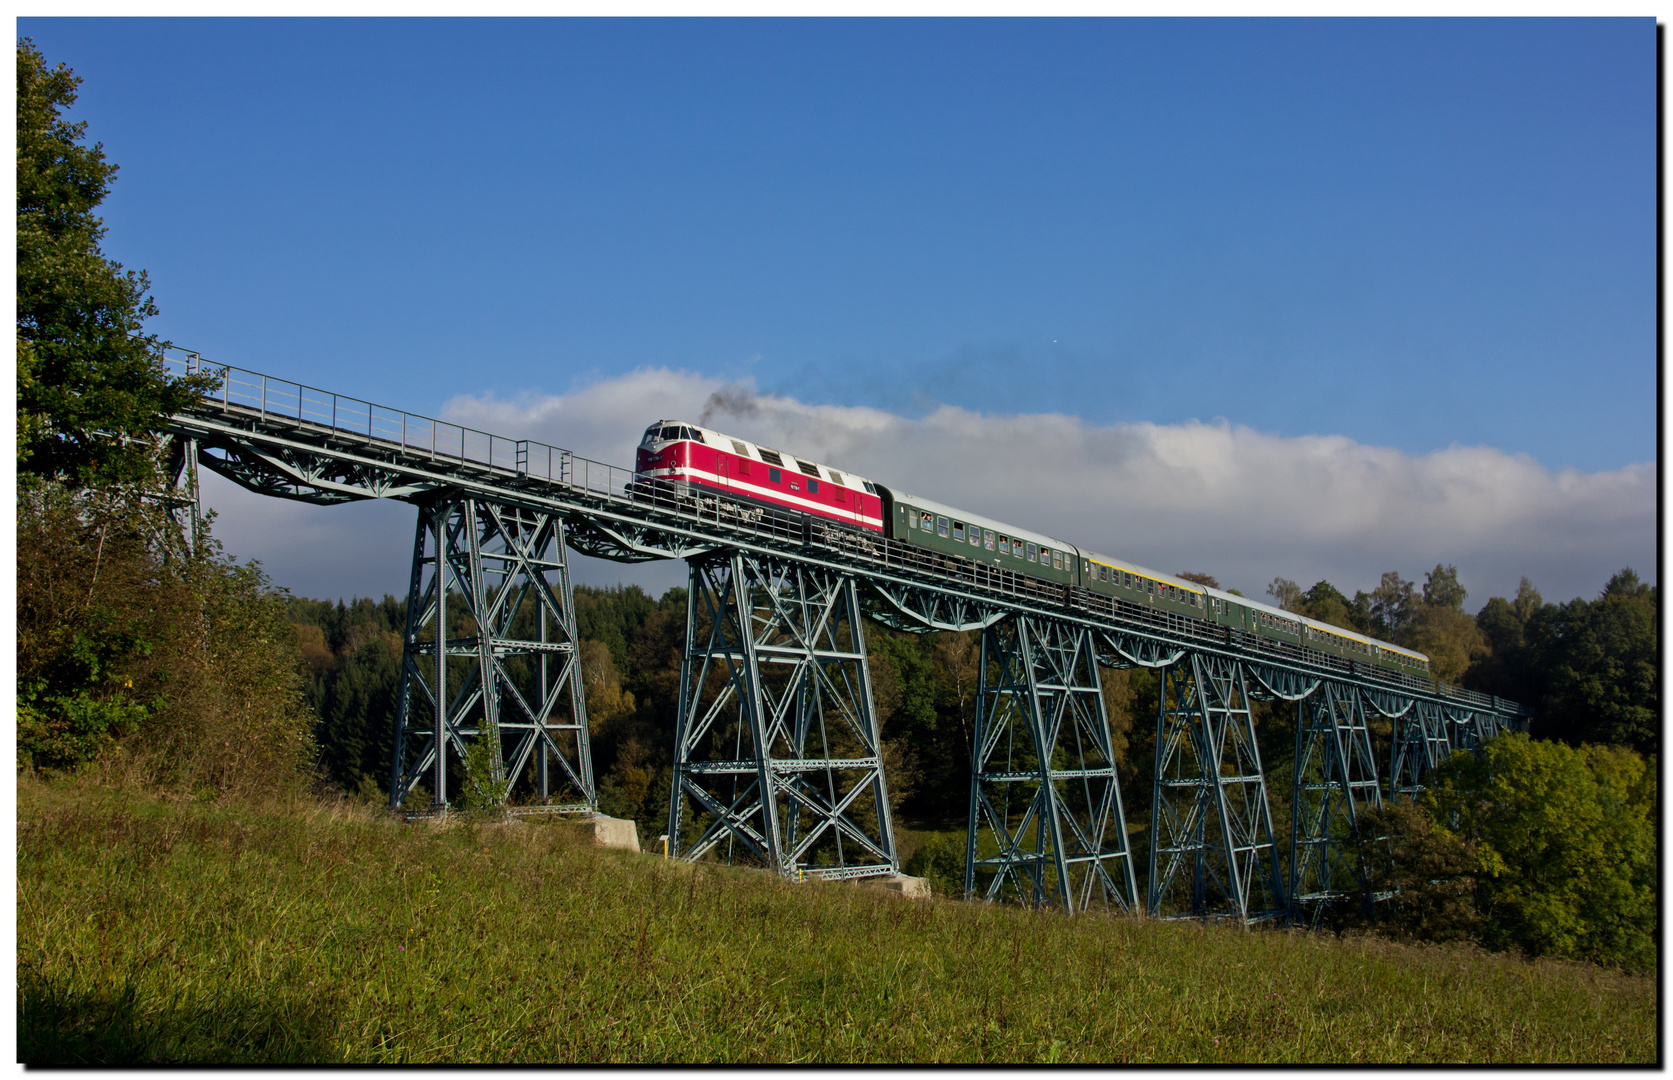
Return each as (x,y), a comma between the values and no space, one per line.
(1424,875)
(91,386)
(1588,669)
(1437,625)
(351,665)
(1567,842)
(148,660)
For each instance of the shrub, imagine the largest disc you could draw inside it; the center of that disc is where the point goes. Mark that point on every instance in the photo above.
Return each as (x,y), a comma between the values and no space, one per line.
(940,861)
(155,663)
(1426,875)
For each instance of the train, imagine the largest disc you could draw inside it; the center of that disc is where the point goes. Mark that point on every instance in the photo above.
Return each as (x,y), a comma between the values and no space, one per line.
(693,458)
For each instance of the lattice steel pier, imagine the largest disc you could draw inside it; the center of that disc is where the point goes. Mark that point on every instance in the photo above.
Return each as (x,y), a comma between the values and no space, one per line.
(778,757)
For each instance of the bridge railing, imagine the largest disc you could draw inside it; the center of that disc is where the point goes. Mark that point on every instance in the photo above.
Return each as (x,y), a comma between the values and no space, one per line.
(271,399)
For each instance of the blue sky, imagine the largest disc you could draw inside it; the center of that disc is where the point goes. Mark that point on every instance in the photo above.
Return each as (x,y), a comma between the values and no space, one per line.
(1416,234)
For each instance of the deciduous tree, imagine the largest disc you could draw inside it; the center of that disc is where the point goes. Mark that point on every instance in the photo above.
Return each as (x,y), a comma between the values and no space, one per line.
(91,385)
(1568,837)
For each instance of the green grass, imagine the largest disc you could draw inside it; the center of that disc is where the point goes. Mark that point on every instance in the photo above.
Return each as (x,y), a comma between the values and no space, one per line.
(157,932)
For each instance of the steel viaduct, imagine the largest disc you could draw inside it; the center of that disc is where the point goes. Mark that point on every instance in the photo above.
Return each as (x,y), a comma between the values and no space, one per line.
(778,755)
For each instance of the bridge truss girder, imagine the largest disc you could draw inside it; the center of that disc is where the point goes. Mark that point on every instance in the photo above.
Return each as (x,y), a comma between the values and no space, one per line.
(630,542)
(1421,743)
(1127,650)
(490,652)
(916,609)
(778,755)
(1212,852)
(304,474)
(1335,780)
(1044,794)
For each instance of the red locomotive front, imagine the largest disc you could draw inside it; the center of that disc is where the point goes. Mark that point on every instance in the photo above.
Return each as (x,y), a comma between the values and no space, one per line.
(684,454)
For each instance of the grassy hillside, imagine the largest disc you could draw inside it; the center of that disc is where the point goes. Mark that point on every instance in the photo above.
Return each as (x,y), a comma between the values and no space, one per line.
(176,932)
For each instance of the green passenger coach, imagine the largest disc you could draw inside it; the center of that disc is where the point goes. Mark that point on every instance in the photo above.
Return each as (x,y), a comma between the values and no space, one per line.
(950,531)
(924,523)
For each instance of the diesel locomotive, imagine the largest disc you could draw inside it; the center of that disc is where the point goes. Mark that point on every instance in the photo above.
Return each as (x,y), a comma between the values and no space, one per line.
(690,456)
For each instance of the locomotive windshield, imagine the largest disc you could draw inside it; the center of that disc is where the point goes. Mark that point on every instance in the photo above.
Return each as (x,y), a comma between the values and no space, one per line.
(669,432)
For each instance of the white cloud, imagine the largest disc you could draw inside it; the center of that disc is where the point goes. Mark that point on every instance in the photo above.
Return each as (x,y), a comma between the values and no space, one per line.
(1241,504)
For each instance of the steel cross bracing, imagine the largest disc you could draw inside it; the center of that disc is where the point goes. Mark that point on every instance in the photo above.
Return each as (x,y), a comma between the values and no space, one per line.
(1046,821)
(778,758)
(1421,742)
(1335,778)
(1212,852)
(293,441)
(490,649)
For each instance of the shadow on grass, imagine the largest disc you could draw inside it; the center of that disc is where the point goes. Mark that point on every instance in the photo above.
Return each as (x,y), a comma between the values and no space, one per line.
(58,1027)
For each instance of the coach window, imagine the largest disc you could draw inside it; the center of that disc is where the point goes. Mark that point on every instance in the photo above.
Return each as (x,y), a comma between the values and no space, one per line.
(940,525)
(976,537)
(958,530)
(1032,553)
(987,539)
(927,521)
(774,475)
(1057,559)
